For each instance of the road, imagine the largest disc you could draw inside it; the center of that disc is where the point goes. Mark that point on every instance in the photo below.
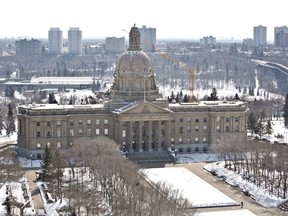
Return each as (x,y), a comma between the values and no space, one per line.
(232,192)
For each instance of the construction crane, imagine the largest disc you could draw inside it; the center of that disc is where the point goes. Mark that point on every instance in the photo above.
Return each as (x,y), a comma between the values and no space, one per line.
(184,67)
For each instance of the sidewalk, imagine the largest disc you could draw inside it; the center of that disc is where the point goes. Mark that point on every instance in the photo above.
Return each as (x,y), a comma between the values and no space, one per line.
(34,190)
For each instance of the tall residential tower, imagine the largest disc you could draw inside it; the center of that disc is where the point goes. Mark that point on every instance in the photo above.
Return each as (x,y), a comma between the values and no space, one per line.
(75,41)
(148,39)
(55,41)
(260,35)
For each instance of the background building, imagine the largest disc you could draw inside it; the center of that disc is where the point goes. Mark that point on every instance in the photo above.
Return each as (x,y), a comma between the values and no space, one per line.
(208,41)
(55,41)
(114,45)
(28,47)
(148,39)
(260,35)
(281,36)
(75,41)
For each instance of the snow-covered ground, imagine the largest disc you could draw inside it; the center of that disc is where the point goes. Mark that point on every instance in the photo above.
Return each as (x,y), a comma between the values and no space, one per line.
(236,212)
(198,192)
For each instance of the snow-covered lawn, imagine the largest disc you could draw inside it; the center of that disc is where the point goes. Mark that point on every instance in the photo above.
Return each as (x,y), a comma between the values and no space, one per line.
(196,190)
(236,212)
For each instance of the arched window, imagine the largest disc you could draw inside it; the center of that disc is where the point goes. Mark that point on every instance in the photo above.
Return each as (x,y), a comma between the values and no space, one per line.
(38,146)
(59,145)
(48,145)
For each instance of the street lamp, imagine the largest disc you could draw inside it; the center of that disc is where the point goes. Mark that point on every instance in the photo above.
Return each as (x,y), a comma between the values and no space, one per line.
(31,156)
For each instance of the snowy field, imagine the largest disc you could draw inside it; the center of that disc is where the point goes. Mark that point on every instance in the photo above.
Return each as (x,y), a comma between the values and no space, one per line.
(238,212)
(197,191)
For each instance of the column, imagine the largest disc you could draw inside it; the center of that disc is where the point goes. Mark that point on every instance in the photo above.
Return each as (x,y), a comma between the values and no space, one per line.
(149,136)
(120,133)
(140,136)
(130,137)
(159,131)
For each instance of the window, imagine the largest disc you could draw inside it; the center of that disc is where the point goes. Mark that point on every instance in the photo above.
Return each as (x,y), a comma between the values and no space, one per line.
(97,131)
(38,146)
(188,129)
(38,134)
(123,133)
(89,132)
(38,123)
(80,122)
(218,118)
(180,150)
(106,131)
(71,132)
(48,124)
(236,129)
(188,140)
(236,119)
(173,131)
(80,132)
(204,119)
(204,128)
(189,119)
(172,140)
(180,140)
(97,121)
(204,149)
(181,120)
(173,120)
(196,149)
(181,130)
(197,120)
(106,121)
(204,140)
(58,123)
(227,119)
(89,122)
(217,128)
(196,140)
(71,123)
(48,145)
(59,145)
(196,128)
(58,132)
(188,149)
(48,134)
(227,129)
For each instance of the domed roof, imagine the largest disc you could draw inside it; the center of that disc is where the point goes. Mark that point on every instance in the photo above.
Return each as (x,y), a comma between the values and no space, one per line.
(134,61)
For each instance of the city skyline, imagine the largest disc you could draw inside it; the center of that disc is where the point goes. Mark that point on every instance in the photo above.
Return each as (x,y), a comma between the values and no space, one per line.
(180,20)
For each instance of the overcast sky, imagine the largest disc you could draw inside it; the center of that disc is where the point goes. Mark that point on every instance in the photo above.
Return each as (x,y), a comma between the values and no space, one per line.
(187,19)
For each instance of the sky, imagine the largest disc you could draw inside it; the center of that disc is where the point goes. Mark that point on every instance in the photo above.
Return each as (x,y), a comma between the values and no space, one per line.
(181,19)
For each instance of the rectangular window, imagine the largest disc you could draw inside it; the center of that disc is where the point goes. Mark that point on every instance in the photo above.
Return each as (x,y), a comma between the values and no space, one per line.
(97,121)
(227,119)
(48,134)
(71,123)
(188,129)
(173,120)
(196,140)
(106,121)
(58,132)
(58,123)
(197,120)
(38,134)
(123,133)
(172,140)
(181,130)
(89,122)
(71,132)
(196,128)
(80,122)
(204,119)
(227,128)
(173,131)
(218,118)
(188,140)
(217,128)
(97,131)
(181,120)
(236,119)
(48,124)
(38,124)
(89,132)
(106,131)
(189,119)
(204,128)
(204,140)
(236,129)
(180,140)
(80,132)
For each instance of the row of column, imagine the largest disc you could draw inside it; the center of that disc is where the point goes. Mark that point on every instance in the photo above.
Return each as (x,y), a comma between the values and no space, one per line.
(143,135)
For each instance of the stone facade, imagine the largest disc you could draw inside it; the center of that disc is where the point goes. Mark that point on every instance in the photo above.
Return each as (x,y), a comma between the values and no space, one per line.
(136,116)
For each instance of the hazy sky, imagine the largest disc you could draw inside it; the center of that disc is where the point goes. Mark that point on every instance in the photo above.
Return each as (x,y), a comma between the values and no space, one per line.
(187,19)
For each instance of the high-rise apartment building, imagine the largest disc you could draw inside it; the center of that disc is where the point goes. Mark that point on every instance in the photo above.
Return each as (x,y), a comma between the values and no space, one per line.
(75,41)
(281,36)
(114,45)
(55,41)
(208,41)
(28,47)
(148,39)
(260,35)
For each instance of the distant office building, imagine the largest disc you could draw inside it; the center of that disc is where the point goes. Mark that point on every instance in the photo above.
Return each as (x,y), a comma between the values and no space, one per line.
(115,45)
(248,42)
(208,41)
(75,41)
(28,47)
(281,36)
(55,41)
(260,35)
(148,39)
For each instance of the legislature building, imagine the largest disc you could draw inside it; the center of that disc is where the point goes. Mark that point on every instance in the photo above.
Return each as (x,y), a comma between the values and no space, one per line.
(136,116)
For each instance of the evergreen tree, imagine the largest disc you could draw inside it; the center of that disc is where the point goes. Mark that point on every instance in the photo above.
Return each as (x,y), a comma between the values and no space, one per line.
(237,97)
(268,128)
(2,125)
(259,128)
(46,163)
(285,110)
(10,121)
(213,95)
(251,124)
(7,205)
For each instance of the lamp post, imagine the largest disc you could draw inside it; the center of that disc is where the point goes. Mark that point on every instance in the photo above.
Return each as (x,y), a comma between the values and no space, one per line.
(31,156)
